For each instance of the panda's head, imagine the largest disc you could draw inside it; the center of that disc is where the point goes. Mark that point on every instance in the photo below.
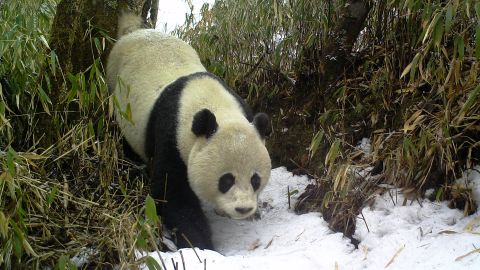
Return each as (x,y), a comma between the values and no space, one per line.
(229,164)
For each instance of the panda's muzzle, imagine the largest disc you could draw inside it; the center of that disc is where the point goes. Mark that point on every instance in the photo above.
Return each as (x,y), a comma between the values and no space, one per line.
(243,210)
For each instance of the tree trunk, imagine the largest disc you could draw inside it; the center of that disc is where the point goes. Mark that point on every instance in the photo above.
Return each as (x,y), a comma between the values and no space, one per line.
(337,53)
(321,68)
(78,28)
(78,23)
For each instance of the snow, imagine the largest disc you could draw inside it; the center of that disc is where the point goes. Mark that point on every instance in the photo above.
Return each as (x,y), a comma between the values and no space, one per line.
(171,13)
(430,236)
(416,236)
(470,179)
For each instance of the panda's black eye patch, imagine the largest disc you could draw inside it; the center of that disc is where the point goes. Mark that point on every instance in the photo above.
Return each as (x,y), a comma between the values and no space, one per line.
(256,180)
(226,182)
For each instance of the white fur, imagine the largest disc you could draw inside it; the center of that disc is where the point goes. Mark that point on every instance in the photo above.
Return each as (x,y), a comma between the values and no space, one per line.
(235,148)
(140,65)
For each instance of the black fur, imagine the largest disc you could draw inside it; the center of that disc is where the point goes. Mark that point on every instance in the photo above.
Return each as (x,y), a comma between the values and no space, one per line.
(255,181)
(226,182)
(180,207)
(262,122)
(204,123)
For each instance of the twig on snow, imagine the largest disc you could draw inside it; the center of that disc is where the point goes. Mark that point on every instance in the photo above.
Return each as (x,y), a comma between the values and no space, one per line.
(190,244)
(394,256)
(468,254)
(183,261)
(175,265)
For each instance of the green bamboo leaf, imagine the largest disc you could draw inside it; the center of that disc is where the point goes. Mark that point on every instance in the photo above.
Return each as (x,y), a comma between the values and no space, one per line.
(128,113)
(477,41)
(62,263)
(45,100)
(467,7)
(406,70)
(141,242)
(68,263)
(28,248)
(17,246)
(93,91)
(100,126)
(332,154)
(461,47)
(2,108)
(472,99)
(317,139)
(411,66)
(431,26)
(51,195)
(439,194)
(3,225)
(448,18)
(152,264)
(44,41)
(327,199)
(97,45)
(151,210)
(456,3)
(275,8)
(293,192)
(438,34)
(116,104)
(91,130)
(71,95)
(7,178)
(277,54)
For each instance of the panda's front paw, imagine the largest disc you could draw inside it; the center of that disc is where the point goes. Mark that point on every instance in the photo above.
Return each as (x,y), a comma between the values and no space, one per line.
(167,240)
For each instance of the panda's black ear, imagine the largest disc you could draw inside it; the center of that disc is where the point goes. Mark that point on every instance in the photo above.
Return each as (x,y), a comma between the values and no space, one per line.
(204,123)
(261,121)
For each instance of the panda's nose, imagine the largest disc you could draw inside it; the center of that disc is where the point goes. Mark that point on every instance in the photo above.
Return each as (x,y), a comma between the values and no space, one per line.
(243,210)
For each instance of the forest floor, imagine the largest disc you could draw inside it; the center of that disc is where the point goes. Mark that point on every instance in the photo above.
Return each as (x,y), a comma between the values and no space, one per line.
(420,235)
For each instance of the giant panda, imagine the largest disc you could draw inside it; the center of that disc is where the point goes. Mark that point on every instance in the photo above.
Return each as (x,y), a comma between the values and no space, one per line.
(202,142)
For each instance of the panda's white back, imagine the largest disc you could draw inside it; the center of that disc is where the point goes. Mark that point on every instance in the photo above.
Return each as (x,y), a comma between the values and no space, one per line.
(148,60)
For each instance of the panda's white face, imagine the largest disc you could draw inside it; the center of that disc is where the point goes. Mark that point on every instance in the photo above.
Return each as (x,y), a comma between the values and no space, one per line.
(230,169)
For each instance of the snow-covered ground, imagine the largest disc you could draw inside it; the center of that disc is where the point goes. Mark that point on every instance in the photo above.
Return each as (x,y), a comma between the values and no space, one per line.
(426,236)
